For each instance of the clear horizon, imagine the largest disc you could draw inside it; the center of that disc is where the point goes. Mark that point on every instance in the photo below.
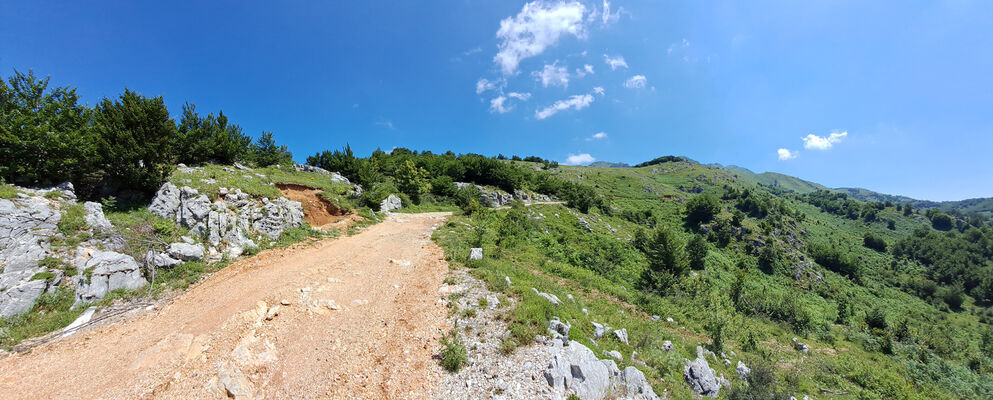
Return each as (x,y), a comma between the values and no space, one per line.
(894,97)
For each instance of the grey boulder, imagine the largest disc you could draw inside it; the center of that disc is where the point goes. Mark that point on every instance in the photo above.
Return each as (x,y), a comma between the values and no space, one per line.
(94,217)
(20,298)
(185,251)
(476,253)
(700,376)
(391,203)
(109,271)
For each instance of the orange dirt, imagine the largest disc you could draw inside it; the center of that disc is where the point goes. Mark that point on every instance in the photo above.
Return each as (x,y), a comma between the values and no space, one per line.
(317,210)
(223,338)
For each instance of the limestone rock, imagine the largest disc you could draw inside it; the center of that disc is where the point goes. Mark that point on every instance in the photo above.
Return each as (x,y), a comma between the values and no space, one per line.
(391,203)
(556,327)
(700,376)
(310,168)
(575,369)
(742,370)
(636,386)
(550,297)
(26,224)
(667,346)
(185,251)
(622,335)
(476,253)
(109,270)
(94,217)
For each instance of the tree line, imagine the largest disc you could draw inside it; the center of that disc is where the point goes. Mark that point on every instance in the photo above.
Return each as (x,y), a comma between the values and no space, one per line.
(126,144)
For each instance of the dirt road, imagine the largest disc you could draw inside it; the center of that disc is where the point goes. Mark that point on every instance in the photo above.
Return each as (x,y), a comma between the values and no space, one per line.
(355,317)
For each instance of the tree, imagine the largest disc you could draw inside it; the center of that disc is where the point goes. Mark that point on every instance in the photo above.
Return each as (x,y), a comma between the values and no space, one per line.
(265,152)
(874,242)
(665,261)
(697,251)
(210,138)
(135,138)
(942,222)
(768,256)
(443,185)
(411,180)
(701,209)
(44,133)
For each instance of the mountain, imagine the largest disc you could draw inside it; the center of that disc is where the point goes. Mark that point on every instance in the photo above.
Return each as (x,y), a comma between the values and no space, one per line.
(777,180)
(983,205)
(607,164)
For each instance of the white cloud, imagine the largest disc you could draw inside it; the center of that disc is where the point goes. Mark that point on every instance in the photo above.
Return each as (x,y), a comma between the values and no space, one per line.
(607,18)
(472,51)
(385,124)
(598,90)
(785,154)
(578,159)
(552,75)
(577,102)
(519,96)
(483,85)
(496,105)
(587,70)
(814,142)
(615,63)
(597,136)
(538,26)
(636,82)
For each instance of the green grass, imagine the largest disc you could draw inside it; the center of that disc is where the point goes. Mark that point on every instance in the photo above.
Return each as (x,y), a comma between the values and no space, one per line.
(254,185)
(601,270)
(72,220)
(8,192)
(53,311)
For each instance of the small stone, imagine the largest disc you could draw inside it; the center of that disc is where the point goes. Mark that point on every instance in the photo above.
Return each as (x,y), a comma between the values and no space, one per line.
(476,253)
(284,302)
(272,313)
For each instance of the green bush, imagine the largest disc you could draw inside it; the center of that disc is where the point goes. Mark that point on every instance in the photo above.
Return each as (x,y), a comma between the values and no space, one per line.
(874,242)
(73,220)
(453,353)
(701,209)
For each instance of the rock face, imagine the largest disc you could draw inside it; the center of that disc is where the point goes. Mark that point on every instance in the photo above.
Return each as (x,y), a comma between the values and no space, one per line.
(700,376)
(497,198)
(185,251)
(742,370)
(390,203)
(310,168)
(94,217)
(575,369)
(230,222)
(622,335)
(103,271)
(26,225)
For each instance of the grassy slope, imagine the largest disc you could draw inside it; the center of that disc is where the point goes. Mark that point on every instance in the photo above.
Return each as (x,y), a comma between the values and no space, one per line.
(555,257)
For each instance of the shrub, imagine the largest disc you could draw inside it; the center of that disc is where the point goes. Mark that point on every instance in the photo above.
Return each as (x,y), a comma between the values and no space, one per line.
(701,209)
(942,222)
(696,249)
(874,242)
(266,152)
(876,319)
(443,185)
(665,261)
(453,353)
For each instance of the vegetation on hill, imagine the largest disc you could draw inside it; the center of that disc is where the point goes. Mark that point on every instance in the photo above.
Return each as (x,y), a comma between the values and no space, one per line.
(890,306)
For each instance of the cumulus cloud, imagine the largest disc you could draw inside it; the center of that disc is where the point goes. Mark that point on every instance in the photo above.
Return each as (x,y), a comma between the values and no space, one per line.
(497,105)
(552,75)
(538,26)
(483,85)
(636,82)
(579,159)
(577,102)
(615,62)
(814,142)
(597,136)
(598,90)
(587,70)
(785,154)
(519,96)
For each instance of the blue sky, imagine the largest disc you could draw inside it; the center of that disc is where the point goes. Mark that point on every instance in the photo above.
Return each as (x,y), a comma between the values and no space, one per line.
(905,87)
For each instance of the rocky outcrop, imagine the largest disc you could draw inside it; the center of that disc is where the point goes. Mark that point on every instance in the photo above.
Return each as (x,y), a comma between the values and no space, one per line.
(498,198)
(575,369)
(232,222)
(101,272)
(94,217)
(476,253)
(701,377)
(26,225)
(391,203)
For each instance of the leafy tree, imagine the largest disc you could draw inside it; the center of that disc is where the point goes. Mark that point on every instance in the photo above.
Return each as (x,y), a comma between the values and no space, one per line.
(942,222)
(701,209)
(135,138)
(874,242)
(666,261)
(696,249)
(443,185)
(411,180)
(907,210)
(769,256)
(265,152)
